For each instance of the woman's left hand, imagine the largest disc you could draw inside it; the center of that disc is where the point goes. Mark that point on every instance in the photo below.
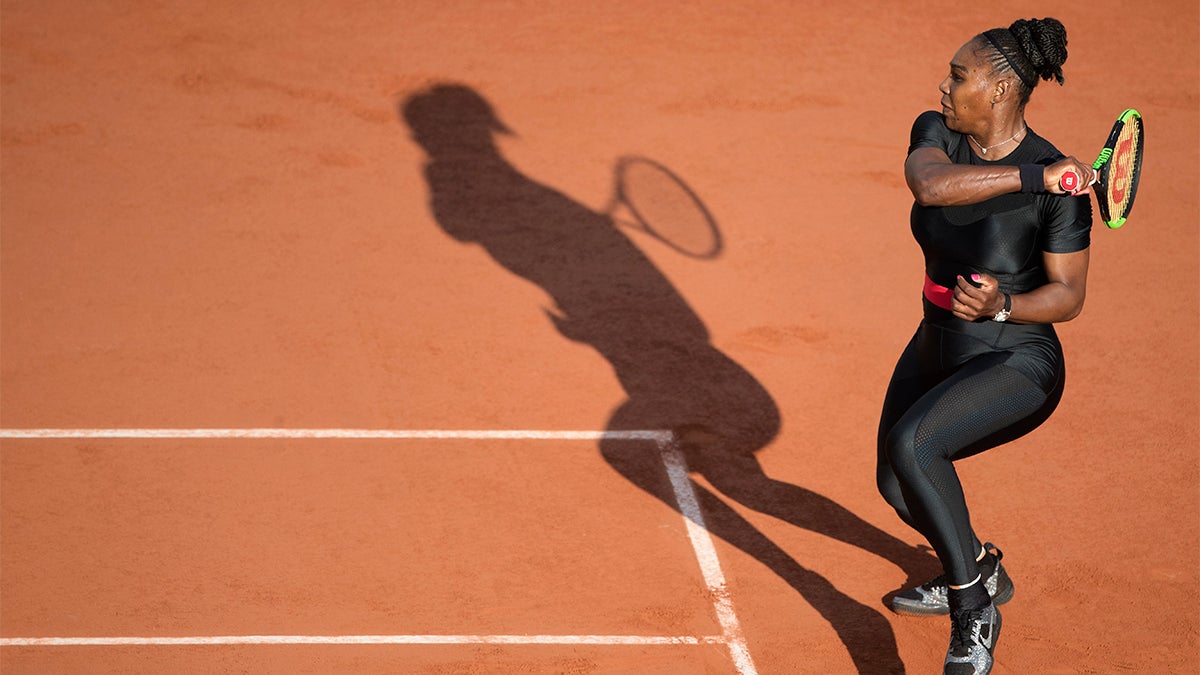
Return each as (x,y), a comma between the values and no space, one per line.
(978,297)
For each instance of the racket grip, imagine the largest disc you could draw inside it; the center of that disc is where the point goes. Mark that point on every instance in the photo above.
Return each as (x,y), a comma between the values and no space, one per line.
(1069,181)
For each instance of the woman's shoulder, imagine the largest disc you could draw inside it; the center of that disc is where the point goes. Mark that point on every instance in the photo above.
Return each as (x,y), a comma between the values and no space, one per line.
(929,129)
(932,120)
(1039,150)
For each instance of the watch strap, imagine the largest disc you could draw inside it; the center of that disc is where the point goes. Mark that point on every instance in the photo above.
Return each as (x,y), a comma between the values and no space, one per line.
(1002,315)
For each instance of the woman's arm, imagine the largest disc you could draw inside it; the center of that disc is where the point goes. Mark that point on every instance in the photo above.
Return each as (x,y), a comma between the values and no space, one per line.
(936,181)
(1060,299)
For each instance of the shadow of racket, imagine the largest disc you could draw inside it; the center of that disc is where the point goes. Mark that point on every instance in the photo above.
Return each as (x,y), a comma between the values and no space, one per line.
(650,198)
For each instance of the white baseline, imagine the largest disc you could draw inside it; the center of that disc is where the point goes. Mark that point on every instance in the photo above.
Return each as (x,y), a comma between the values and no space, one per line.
(673,460)
(364,640)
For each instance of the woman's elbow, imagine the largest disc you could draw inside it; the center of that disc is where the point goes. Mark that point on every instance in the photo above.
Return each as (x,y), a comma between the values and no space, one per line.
(924,198)
(924,192)
(1074,309)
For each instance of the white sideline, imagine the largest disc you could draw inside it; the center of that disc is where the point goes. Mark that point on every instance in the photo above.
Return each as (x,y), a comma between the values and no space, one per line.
(673,459)
(706,554)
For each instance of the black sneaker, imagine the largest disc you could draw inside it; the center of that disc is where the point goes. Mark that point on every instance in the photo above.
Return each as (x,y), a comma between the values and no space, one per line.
(930,597)
(973,636)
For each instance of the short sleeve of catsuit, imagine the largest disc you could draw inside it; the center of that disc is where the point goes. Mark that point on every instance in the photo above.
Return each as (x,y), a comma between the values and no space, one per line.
(1068,223)
(929,131)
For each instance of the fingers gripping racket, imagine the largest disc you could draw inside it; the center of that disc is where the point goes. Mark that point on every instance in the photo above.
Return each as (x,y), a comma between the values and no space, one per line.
(1118,169)
(657,202)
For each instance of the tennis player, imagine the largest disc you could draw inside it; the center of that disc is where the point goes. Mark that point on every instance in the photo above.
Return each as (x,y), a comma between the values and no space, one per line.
(1006,256)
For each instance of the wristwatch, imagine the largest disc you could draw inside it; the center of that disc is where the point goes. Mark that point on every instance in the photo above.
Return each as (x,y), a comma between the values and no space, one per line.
(1002,315)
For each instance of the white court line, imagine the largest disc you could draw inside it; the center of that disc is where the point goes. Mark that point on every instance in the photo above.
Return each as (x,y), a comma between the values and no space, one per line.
(673,459)
(633,435)
(364,640)
(706,554)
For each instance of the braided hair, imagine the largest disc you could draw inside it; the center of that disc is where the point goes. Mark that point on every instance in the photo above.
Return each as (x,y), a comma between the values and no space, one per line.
(1032,50)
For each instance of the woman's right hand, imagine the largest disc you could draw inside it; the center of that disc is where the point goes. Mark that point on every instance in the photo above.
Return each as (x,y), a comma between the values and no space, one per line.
(1054,173)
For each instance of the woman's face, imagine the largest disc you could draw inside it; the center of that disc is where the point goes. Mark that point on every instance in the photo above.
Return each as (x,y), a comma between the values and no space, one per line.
(967,90)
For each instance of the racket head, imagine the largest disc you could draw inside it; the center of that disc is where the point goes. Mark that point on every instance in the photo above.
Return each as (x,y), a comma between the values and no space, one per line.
(662,205)
(1120,168)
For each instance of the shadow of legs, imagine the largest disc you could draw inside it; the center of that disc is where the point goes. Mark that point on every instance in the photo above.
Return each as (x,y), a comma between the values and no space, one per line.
(864,631)
(741,478)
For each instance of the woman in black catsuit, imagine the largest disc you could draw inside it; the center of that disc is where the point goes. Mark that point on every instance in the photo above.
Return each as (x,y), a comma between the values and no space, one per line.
(1006,256)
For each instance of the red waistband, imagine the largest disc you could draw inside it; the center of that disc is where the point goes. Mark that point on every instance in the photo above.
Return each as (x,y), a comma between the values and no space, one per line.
(938,295)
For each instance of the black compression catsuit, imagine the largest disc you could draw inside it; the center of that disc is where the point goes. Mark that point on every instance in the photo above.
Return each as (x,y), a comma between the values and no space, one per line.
(963,387)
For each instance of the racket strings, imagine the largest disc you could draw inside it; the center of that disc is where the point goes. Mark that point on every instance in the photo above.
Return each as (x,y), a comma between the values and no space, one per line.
(1123,169)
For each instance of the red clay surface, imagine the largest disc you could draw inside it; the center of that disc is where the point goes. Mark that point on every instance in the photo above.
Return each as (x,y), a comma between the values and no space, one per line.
(215,216)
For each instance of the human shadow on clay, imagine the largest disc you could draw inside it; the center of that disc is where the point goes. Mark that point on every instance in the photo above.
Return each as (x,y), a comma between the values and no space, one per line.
(607,294)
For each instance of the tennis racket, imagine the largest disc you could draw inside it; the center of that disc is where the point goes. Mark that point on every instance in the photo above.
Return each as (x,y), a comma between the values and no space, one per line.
(656,201)
(1118,169)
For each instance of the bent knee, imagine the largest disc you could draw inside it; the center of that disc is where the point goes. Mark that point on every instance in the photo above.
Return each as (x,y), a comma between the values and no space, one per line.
(900,450)
(889,488)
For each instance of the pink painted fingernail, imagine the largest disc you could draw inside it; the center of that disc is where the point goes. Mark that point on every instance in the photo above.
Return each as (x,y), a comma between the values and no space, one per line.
(975,277)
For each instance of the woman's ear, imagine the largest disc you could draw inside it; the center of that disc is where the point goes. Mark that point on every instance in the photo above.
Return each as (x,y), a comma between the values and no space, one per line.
(1003,86)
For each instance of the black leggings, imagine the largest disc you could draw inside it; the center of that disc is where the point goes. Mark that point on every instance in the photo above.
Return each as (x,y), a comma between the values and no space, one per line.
(959,389)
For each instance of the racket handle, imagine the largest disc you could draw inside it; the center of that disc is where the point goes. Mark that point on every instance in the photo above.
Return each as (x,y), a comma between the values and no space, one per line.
(1069,181)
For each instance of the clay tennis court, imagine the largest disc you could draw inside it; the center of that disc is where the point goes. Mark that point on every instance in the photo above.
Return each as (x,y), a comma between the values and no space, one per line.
(276,400)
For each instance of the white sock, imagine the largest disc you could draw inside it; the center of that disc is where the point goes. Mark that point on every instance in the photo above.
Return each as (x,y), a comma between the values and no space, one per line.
(977,578)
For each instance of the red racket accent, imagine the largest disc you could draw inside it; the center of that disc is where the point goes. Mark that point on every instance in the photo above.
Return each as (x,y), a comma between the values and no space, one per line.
(1069,181)
(1121,170)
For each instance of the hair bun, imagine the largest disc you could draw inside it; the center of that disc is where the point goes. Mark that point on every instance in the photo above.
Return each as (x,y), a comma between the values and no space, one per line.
(1044,42)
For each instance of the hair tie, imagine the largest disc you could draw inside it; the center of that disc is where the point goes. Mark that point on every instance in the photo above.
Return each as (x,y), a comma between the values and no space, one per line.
(1030,82)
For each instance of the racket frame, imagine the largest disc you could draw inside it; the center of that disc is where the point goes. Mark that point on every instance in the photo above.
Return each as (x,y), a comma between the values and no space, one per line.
(1070,180)
(1102,166)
